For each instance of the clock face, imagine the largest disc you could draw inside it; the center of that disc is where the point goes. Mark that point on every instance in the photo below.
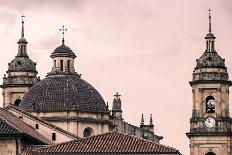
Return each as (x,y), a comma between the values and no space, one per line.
(210,122)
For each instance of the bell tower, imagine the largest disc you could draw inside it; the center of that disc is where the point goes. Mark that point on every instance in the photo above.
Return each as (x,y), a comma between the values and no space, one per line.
(210,123)
(21,74)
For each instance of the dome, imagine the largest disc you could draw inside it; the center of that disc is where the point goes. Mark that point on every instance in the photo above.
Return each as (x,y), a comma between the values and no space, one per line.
(22,64)
(63,51)
(63,93)
(210,59)
(22,40)
(210,35)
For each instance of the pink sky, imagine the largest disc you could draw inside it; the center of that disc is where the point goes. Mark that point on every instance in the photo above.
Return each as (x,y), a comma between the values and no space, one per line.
(145,49)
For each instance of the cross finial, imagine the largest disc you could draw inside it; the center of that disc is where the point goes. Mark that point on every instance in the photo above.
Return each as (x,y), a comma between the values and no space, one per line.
(210,20)
(22,32)
(62,30)
(22,17)
(117,95)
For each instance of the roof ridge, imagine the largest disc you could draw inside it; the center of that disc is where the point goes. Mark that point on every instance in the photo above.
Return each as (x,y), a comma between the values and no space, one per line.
(76,140)
(23,127)
(9,122)
(114,134)
(42,120)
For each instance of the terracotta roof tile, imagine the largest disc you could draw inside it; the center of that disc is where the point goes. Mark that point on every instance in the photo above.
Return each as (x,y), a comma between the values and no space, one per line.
(11,125)
(28,149)
(113,142)
(63,93)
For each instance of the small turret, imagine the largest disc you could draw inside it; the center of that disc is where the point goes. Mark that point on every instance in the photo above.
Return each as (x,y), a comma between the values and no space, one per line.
(149,126)
(142,121)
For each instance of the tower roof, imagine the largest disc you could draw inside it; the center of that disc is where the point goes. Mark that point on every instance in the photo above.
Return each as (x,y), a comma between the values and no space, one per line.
(210,58)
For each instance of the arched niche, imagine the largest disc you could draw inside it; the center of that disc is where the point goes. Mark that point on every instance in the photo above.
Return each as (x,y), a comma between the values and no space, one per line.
(210,104)
(210,153)
(87,132)
(17,102)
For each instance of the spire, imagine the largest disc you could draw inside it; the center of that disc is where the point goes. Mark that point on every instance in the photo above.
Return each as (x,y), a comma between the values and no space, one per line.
(62,31)
(22,31)
(142,121)
(22,48)
(210,38)
(210,29)
(151,120)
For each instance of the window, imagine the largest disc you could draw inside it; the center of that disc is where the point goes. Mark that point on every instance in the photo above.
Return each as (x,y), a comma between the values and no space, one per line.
(68,65)
(53,136)
(17,102)
(61,65)
(88,132)
(210,104)
(37,126)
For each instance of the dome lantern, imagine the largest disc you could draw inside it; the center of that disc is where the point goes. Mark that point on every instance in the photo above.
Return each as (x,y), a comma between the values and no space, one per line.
(63,59)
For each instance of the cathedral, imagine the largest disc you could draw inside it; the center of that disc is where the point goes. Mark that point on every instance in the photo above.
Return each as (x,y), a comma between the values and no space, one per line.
(210,125)
(63,113)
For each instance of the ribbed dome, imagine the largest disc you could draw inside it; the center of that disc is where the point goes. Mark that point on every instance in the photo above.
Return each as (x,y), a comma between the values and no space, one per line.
(63,93)
(63,51)
(22,64)
(210,59)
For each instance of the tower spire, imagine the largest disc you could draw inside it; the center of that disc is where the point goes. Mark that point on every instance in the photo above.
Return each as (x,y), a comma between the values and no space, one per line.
(210,38)
(210,29)
(22,48)
(22,31)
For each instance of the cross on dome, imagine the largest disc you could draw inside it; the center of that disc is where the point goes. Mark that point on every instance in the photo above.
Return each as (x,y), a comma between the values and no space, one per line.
(22,32)
(209,20)
(62,31)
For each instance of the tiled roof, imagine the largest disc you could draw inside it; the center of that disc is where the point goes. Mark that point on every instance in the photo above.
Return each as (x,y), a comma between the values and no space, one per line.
(11,125)
(42,121)
(63,93)
(113,142)
(6,129)
(64,51)
(28,149)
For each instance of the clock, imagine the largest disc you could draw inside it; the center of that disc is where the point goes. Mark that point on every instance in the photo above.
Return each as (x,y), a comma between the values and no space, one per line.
(210,122)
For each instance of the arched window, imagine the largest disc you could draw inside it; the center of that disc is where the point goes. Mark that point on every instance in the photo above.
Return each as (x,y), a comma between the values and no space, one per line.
(61,66)
(68,65)
(210,153)
(88,132)
(17,102)
(210,104)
